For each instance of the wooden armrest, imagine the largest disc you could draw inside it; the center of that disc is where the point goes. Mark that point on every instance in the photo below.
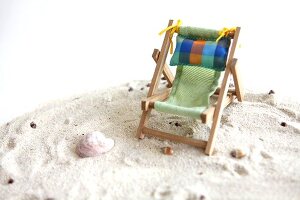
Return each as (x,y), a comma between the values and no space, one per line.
(161,96)
(208,114)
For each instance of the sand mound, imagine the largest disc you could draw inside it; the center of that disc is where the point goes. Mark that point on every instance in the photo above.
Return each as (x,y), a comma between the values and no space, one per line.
(39,162)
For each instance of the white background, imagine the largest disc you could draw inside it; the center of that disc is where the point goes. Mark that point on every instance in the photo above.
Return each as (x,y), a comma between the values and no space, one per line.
(54,49)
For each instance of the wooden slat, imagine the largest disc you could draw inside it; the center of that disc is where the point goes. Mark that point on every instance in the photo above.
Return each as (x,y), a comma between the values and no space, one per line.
(233,45)
(237,80)
(151,104)
(162,96)
(155,55)
(175,138)
(208,114)
(166,71)
(169,76)
(231,91)
(160,62)
(143,122)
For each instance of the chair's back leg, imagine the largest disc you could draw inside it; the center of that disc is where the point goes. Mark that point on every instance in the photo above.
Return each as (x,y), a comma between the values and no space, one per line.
(143,123)
(239,90)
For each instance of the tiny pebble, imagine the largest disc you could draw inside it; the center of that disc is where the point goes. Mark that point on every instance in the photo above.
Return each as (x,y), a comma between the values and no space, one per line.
(271,92)
(261,139)
(237,153)
(130,89)
(202,197)
(283,124)
(170,122)
(10,181)
(32,125)
(67,121)
(167,150)
(142,88)
(148,85)
(177,124)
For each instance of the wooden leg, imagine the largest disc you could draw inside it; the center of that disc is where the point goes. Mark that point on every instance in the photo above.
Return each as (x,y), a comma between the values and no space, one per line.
(160,64)
(207,115)
(237,81)
(218,113)
(168,75)
(143,123)
(166,71)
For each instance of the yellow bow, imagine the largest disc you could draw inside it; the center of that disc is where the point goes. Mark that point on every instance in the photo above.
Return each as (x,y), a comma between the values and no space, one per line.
(225,32)
(173,28)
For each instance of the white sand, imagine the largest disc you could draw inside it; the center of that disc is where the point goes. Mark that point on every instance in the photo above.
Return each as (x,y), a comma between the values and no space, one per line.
(43,164)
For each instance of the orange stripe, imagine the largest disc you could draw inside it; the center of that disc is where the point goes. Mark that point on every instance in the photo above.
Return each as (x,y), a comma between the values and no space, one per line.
(196,52)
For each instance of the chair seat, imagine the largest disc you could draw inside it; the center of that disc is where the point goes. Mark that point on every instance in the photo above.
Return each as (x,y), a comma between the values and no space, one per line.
(191,91)
(166,107)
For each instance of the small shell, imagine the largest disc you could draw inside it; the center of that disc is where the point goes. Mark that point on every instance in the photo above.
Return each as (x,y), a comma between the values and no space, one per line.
(167,150)
(94,144)
(238,153)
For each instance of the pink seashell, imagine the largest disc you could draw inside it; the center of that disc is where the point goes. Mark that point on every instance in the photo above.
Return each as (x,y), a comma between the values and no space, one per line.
(94,144)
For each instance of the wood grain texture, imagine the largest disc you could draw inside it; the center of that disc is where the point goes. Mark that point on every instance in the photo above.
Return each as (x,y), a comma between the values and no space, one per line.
(166,71)
(208,114)
(157,97)
(240,93)
(175,138)
(160,62)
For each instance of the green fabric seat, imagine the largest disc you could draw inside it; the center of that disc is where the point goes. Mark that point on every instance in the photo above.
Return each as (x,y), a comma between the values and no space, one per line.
(191,91)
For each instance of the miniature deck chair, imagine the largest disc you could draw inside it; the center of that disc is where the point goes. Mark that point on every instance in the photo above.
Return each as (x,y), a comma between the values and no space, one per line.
(201,56)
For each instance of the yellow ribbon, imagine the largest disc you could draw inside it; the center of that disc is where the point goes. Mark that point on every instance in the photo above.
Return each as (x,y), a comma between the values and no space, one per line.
(225,32)
(173,28)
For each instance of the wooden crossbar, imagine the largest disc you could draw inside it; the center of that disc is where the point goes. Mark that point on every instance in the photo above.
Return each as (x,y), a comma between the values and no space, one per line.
(175,138)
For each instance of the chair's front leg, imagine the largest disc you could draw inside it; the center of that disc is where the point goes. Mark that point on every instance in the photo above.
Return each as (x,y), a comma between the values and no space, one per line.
(143,122)
(218,113)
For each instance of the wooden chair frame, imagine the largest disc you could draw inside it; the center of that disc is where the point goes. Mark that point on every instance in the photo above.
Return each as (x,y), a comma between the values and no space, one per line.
(225,96)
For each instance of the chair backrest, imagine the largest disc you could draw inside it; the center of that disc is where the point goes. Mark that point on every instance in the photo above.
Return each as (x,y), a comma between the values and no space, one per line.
(201,47)
(200,60)
(193,86)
